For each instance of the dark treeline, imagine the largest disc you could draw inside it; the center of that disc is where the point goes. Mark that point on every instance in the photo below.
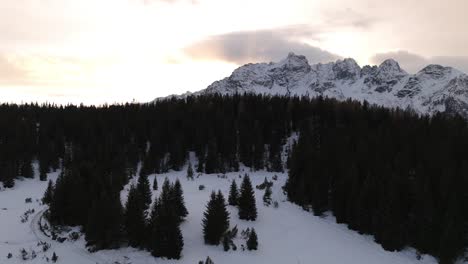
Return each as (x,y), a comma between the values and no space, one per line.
(384,172)
(397,176)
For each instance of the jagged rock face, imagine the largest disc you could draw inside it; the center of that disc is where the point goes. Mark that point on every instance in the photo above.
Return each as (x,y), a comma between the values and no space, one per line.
(433,89)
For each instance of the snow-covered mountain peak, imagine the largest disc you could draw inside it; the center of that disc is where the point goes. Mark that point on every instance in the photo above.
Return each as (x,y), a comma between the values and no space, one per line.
(294,62)
(433,89)
(390,69)
(346,69)
(436,71)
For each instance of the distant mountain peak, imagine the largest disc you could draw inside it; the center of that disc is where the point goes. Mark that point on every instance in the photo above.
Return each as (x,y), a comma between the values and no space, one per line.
(433,89)
(391,65)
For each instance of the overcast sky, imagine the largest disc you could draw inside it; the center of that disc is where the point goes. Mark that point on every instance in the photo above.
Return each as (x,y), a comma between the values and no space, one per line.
(97,51)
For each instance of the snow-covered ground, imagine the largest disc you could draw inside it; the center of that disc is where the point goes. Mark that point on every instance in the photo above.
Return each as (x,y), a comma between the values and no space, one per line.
(287,234)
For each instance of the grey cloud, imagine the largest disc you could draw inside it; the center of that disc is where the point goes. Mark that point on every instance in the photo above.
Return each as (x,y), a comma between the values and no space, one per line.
(414,62)
(259,46)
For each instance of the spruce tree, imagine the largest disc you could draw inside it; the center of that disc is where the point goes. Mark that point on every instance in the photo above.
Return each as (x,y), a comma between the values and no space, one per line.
(267,196)
(135,219)
(210,233)
(226,242)
(246,202)
(144,191)
(54,257)
(49,193)
(190,171)
(216,219)
(27,170)
(104,227)
(155,183)
(9,177)
(233,194)
(252,242)
(166,236)
(178,200)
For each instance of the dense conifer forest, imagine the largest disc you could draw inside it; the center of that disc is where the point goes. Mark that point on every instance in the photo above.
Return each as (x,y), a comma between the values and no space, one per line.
(390,173)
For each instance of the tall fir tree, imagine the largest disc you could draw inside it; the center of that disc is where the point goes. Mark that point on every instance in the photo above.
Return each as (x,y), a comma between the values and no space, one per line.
(246,202)
(166,236)
(190,171)
(104,227)
(144,191)
(252,241)
(155,183)
(233,194)
(177,200)
(135,222)
(216,219)
(49,193)
(267,196)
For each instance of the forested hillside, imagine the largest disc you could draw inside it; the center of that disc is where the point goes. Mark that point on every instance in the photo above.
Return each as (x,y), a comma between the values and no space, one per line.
(393,174)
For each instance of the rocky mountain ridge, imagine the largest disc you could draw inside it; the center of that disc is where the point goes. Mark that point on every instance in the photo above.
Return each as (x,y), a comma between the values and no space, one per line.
(433,89)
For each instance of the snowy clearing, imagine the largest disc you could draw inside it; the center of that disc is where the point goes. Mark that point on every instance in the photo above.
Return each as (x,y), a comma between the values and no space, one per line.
(286,234)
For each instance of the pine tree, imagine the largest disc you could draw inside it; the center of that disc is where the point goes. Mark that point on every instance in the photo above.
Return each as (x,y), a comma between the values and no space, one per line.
(209,222)
(9,177)
(135,219)
(233,194)
(166,237)
(54,258)
(49,193)
(144,191)
(208,260)
(104,227)
(155,183)
(190,171)
(226,242)
(27,170)
(178,200)
(216,219)
(267,196)
(246,202)
(223,212)
(252,242)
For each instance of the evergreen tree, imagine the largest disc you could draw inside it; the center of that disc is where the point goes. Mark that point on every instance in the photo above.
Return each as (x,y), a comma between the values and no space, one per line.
(252,241)
(208,260)
(135,224)
(267,196)
(9,176)
(49,193)
(226,242)
(54,257)
(104,227)
(190,171)
(233,194)
(178,200)
(27,170)
(216,219)
(144,191)
(223,212)
(155,183)
(166,236)
(246,202)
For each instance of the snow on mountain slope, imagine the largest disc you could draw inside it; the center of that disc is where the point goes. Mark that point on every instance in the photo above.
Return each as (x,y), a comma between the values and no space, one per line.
(287,234)
(433,89)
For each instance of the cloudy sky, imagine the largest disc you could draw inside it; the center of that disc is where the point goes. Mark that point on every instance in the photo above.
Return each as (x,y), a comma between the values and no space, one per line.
(97,51)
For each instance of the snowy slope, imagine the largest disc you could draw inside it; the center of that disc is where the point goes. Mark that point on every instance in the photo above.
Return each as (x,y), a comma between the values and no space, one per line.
(433,89)
(286,234)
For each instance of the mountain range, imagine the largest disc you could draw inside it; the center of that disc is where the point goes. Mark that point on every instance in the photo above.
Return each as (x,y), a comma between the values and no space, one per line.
(433,89)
